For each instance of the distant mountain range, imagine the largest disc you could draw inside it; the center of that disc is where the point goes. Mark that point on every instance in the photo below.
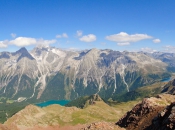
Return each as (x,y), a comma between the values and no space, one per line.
(50,73)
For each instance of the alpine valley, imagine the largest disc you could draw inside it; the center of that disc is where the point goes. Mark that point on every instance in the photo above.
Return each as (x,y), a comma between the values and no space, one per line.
(48,73)
(107,89)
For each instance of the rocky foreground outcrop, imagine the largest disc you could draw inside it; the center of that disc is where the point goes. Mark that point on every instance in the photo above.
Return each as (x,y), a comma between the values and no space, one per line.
(165,119)
(141,116)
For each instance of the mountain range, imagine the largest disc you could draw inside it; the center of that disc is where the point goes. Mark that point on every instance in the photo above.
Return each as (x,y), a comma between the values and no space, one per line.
(47,73)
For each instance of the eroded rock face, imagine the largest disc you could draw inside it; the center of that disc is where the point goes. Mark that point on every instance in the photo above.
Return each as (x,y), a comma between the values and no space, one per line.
(165,119)
(141,116)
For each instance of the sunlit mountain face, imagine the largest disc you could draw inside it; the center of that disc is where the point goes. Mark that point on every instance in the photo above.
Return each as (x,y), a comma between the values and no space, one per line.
(47,73)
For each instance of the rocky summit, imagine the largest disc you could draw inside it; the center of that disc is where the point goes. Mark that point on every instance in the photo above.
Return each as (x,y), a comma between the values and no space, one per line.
(47,73)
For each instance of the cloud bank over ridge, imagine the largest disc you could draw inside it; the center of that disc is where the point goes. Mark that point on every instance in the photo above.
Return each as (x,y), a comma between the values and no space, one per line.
(123,38)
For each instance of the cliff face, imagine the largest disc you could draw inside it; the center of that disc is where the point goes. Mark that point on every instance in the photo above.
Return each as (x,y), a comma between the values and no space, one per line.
(165,119)
(141,116)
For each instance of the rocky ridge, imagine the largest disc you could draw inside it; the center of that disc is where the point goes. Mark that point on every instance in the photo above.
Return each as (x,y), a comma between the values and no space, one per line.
(71,74)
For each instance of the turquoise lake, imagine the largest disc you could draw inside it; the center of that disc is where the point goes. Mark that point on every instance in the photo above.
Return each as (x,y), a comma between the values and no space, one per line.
(166,80)
(51,102)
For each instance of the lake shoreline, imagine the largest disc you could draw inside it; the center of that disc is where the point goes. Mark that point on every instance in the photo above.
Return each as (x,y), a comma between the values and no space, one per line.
(51,102)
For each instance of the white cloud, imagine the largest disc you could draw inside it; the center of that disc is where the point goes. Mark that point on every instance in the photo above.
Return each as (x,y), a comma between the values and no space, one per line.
(123,43)
(156,40)
(147,49)
(79,33)
(13,35)
(170,49)
(88,38)
(23,41)
(126,39)
(3,44)
(26,41)
(64,35)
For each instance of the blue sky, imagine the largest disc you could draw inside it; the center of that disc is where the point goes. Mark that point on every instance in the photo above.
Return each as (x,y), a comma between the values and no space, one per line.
(132,25)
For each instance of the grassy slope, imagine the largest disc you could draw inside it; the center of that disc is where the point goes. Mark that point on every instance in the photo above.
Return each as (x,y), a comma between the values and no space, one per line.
(56,114)
(123,102)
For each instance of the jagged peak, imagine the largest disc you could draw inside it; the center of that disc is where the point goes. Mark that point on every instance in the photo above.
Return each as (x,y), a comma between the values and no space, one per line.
(21,50)
(23,53)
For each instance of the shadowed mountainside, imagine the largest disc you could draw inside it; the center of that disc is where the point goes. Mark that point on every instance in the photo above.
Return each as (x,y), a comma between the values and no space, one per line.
(169,87)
